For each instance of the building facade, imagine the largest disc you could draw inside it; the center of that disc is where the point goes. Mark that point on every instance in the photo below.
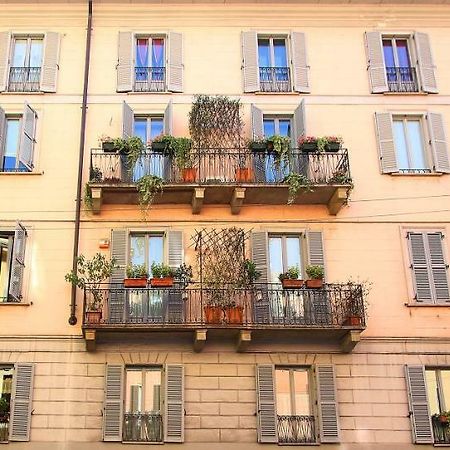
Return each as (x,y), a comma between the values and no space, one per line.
(225,355)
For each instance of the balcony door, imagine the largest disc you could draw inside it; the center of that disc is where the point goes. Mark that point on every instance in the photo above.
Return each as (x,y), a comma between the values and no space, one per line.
(150,64)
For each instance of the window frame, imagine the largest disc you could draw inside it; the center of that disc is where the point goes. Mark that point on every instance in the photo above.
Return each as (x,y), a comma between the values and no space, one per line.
(393,37)
(149,38)
(148,126)
(271,38)
(439,385)
(147,234)
(283,237)
(10,236)
(3,144)
(29,38)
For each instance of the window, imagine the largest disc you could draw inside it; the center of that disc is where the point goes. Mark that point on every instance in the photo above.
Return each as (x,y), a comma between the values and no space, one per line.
(6,248)
(6,376)
(150,71)
(142,416)
(438,390)
(284,252)
(428,266)
(273,64)
(392,63)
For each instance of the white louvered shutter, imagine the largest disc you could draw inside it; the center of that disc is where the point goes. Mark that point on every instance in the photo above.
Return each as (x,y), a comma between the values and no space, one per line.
(257,122)
(419,266)
(439,268)
(265,393)
(49,70)
(418,405)
(315,248)
(300,69)
(125,66)
(375,62)
(113,407)
(21,402)
(299,122)
(259,242)
(116,305)
(18,262)
(5,46)
(385,141)
(174,403)
(250,61)
(168,117)
(425,63)
(175,245)
(127,121)
(27,136)
(175,62)
(2,128)
(438,142)
(327,404)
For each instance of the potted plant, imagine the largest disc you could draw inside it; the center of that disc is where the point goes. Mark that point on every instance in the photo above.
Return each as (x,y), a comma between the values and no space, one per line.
(340,177)
(444,417)
(244,174)
(214,308)
(91,274)
(250,273)
(162,275)
(137,276)
(315,277)
(107,143)
(308,144)
(184,159)
(148,186)
(290,278)
(183,274)
(164,143)
(297,181)
(4,410)
(234,314)
(333,143)
(279,146)
(257,145)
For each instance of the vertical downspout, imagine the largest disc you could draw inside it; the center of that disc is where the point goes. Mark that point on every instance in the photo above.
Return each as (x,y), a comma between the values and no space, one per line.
(73,298)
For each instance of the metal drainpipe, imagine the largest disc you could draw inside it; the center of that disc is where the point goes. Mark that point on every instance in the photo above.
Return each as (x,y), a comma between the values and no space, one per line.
(73,298)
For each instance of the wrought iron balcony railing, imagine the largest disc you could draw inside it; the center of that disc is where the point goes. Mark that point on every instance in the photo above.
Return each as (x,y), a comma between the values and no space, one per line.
(237,166)
(441,430)
(402,79)
(296,430)
(142,427)
(274,79)
(149,79)
(255,306)
(4,428)
(24,79)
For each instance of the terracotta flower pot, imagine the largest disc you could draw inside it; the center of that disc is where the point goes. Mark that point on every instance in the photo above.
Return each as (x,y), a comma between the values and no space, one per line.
(292,284)
(234,314)
(353,321)
(316,283)
(93,316)
(135,282)
(244,175)
(443,419)
(213,314)
(189,174)
(161,282)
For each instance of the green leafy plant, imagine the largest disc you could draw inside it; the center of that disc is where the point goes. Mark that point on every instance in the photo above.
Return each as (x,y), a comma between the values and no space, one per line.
(148,186)
(4,406)
(137,271)
(341,177)
(181,148)
(297,181)
(92,272)
(184,274)
(321,144)
(162,271)
(280,145)
(292,273)
(87,197)
(95,175)
(315,272)
(306,140)
(251,274)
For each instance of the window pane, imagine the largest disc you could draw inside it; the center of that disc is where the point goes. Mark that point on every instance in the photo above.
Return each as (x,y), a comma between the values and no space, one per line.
(402,53)
(400,145)
(285,127)
(157,52)
(432,390)
(269,127)
(152,401)
(156,127)
(263,53)
(137,251)
(134,392)
(415,141)
(301,389)
(283,392)
(279,48)
(5,255)
(293,252)
(388,53)
(20,48)
(275,258)
(445,379)
(36,53)
(140,128)
(142,53)
(12,144)
(156,250)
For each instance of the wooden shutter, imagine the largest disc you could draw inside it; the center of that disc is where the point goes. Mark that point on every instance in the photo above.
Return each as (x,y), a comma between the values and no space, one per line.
(327,404)
(175,245)
(168,118)
(257,122)
(265,393)
(259,253)
(375,62)
(438,142)
(250,61)
(125,66)
(299,62)
(117,295)
(49,70)
(18,262)
(418,405)
(299,122)
(175,62)
(22,394)
(2,128)
(27,140)
(419,266)
(425,63)
(439,268)
(5,48)
(113,407)
(385,141)
(314,242)
(127,121)
(174,403)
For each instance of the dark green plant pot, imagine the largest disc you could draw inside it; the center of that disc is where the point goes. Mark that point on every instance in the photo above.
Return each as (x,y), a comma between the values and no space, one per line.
(159,147)
(309,147)
(333,147)
(258,147)
(108,147)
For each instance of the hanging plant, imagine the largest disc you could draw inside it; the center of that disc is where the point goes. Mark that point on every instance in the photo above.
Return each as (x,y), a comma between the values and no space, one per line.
(279,146)
(297,181)
(148,186)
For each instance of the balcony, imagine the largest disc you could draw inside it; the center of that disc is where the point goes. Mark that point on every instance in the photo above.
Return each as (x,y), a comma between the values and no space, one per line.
(24,79)
(274,79)
(233,177)
(402,79)
(296,430)
(441,430)
(142,427)
(149,79)
(4,428)
(334,312)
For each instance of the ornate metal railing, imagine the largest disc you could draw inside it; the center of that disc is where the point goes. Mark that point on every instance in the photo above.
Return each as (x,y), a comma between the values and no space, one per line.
(296,429)
(441,431)
(274,79)
(142,427)
(24,79)
(258,305)
(149,79)
(236,166)
(4,428)
(402,79)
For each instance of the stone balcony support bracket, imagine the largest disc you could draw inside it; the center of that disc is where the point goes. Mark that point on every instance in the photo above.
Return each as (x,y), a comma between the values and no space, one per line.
(199,340)
(90,336)
(349,341)
(243,341)
(338,200)
(197,200)
(237,200)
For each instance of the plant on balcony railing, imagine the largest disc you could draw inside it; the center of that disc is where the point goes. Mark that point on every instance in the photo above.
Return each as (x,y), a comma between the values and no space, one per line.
(148,186)
(290,278)
(315,276)
(341,177)
(310,144)
(295,182)
(257,144)
(4,410)
(162,275)
(137,275)
(354,300)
